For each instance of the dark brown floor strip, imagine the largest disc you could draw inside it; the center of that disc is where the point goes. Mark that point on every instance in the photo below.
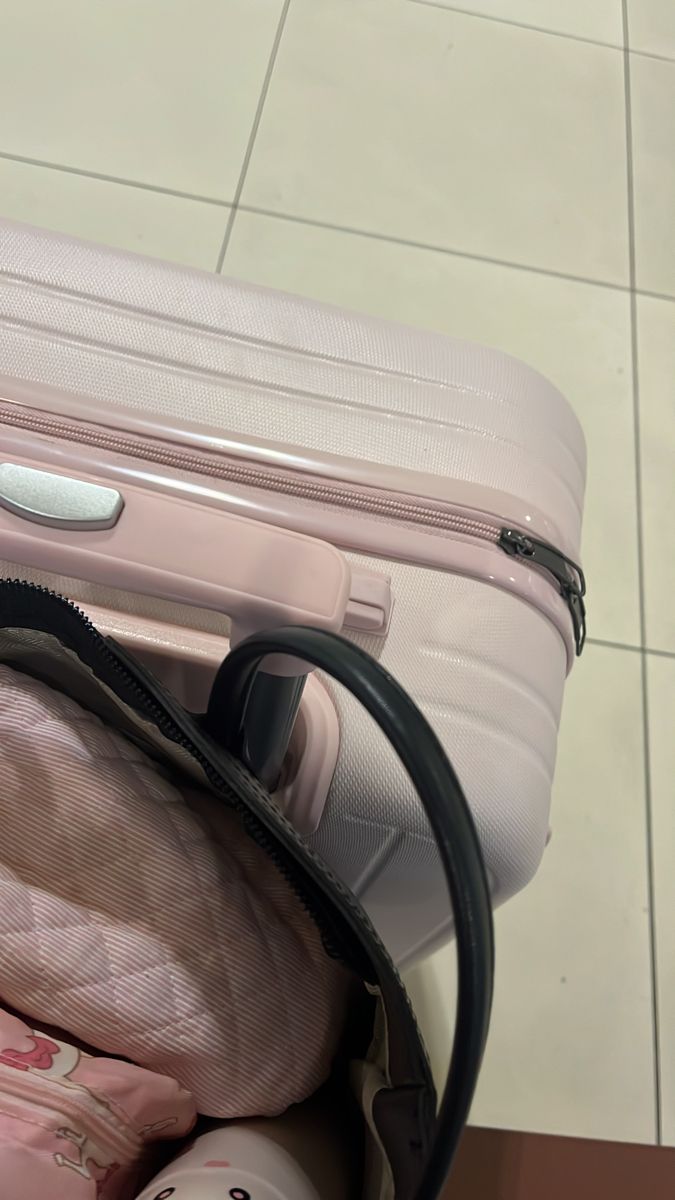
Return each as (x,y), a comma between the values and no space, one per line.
(500,1165)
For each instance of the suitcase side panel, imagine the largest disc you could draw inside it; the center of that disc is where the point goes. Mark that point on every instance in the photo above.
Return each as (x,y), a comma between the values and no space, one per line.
(488,672)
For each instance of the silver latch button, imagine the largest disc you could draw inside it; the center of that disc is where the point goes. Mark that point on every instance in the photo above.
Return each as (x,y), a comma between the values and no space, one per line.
(58,500)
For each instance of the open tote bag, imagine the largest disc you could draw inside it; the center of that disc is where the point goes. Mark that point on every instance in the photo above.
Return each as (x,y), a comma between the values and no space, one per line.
(407,1143)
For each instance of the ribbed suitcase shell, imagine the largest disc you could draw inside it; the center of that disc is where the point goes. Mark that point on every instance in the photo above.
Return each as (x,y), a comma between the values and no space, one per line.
(486,666)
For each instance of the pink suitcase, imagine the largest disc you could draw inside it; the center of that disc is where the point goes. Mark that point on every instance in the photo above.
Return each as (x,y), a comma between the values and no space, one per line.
(423,495)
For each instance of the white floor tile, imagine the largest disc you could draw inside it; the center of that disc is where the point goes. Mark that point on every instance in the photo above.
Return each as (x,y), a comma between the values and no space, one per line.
(600,19)
(570,1048)
(155,92)
(576,334)
(130,218)
(420,127)
(651,26)
(653,107)
(661,692)
(656,357)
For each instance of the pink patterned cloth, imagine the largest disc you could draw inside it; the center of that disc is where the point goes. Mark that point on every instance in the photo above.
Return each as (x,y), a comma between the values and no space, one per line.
(149,929)
(74,1126)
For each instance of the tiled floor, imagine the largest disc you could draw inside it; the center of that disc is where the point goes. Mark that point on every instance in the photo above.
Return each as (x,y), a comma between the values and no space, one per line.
(503,170)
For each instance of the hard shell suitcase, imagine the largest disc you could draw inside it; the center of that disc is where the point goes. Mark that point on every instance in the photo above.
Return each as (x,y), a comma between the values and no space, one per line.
(450,478)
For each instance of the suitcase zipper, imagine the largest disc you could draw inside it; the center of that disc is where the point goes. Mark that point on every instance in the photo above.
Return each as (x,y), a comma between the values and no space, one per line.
(567,574)
(563,570)
(367,500)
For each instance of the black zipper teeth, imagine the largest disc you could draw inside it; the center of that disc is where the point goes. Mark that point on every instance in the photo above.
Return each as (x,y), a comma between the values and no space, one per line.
(171,730)
(567,574)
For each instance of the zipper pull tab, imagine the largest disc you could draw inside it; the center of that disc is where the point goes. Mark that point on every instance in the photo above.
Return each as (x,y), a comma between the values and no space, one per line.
(568,575)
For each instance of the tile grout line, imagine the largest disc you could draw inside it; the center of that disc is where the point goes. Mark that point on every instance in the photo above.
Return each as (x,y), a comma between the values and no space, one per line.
(7,156)
(658,653)
(654,295)
(562,33)
(158,189)
(652,54)
(252,137)
(610,645)
(481,16)
(392,239)
(653,953)
(317,223)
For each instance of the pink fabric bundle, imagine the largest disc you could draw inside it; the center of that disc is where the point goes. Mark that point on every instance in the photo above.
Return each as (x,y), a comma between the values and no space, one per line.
(148,927)
(74,1127)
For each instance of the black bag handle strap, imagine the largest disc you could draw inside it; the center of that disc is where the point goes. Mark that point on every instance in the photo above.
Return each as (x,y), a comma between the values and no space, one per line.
(450,818)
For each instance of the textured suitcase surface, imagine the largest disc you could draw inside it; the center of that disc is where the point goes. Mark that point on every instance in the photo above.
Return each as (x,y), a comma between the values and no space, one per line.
(484,649)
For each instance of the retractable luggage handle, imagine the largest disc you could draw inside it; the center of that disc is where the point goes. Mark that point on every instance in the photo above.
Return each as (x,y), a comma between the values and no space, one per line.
(260,576)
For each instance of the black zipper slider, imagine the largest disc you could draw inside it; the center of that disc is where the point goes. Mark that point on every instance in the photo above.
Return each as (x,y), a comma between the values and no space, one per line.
(568,574)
